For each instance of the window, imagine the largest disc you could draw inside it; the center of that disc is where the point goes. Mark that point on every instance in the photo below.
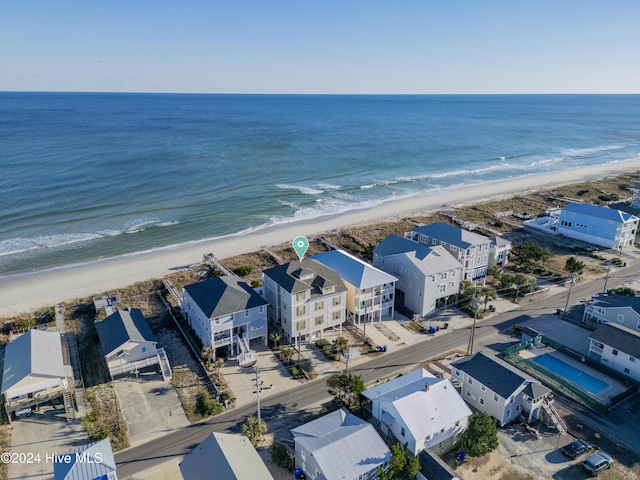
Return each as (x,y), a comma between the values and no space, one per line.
(336,301)
(433,278)
(247,313)
(614,352)
(393,265)
(404,270)
(468,393)
(454,248)
(402,282)
(144,349)
(433,241)
(483,388)
(443,276)
(457,372)
(508,414)
(517,408)
(402,431)
(261,309)
(470,381)
(495,397)
(319,306)
(453,273)
(300,325)
(319,320)
(216,321)
(410,284)
(301,310)
(626,370)
(620,318)
(300,296)
(303,455)
(337,315)
(442,288)
(632,359)
(452,284)
(415,274)
(419,294)
(458,423)
(485,259)
(482,401)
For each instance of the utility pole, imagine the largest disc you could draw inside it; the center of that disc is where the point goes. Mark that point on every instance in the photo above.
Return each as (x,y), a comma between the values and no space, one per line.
(258,382)
(573,282)
(606,278)
(475,318)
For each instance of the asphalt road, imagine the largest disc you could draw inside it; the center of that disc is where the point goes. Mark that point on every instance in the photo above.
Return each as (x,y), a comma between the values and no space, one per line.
(281,407)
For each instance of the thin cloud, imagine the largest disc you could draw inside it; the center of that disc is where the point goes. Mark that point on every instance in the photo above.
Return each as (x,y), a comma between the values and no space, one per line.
(104,60)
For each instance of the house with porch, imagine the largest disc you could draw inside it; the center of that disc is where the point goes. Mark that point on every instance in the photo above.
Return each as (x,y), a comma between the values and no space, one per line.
(420,410)
(471,249)
(496,387)
(226,312)
(617,309)
(305,298)
(370,291)
(35,370)
(635,199)
(128,344)
(225,456)
(339,445)
(428,276)
(617,347)
(499,251)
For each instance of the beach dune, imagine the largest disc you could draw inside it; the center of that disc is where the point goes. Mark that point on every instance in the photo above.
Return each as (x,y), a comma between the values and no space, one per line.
(27,292)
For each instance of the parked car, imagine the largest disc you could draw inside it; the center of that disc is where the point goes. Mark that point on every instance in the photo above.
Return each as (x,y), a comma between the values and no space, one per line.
(597,462)
(576,448)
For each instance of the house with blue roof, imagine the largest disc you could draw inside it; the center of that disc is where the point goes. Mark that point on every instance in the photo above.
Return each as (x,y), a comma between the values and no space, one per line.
(617,309)
(225,313)
(339,446)
(370,291)
(92,461)
(472,250)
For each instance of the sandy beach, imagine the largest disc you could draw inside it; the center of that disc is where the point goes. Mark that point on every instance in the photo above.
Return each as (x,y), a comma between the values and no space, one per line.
(27,292)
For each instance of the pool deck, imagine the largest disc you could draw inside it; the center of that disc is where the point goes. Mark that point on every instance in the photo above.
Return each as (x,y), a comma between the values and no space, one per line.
(614,387)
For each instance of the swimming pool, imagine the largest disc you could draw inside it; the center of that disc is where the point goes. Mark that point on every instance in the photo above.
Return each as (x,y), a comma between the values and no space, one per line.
(571,373)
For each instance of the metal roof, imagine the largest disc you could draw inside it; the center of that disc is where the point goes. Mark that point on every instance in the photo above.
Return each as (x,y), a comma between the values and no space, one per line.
(599,212)
(353,270)
(121,327)
(452,235)
(224,295)
(321,276)
(425,403)
(618,337)
(429,260)
(226,457)
(343,445)
(92,461)
(35,352)
(496,374)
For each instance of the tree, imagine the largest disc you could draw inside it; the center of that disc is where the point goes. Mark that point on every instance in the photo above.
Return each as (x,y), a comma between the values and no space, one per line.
(574,266)
(467,290)
(254,429)
(346,387)
(481,435)
(545,256)
(495,272)
(488,293)
(624,291)
(522,255)
(218,366)
(207,354)
(275,338)
(402,466)
(207,406)
(287,354)
(342,345)
(507,280)
(521,280)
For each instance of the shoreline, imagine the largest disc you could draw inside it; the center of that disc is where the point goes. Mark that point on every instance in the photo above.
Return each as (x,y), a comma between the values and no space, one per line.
(30,291)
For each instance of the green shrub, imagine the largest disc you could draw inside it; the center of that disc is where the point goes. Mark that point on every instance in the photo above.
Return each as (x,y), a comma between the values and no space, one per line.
(296,372)
(227,396)
(281,458)
(498,224)
(582,192)
(256,283)
(208,406)
(322,342)
(609,197)
(243,270)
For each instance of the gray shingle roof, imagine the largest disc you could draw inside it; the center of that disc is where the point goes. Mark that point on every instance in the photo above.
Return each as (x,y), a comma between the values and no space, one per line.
(96,466)
(599,212)
(36,352)
(122,326)
(617,301)
(499,376)
(343,445)
(353,270)
(224,295)
(429,260)
(452,235)
(284,275)
(618,337)
(536,390)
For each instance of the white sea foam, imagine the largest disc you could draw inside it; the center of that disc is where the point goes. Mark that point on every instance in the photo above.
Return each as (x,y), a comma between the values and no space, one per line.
(328,186)
(367,187)
(300,188)
(583,152)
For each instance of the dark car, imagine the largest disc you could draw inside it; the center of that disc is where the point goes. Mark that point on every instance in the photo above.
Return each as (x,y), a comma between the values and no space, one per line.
(576,448)
(597,462)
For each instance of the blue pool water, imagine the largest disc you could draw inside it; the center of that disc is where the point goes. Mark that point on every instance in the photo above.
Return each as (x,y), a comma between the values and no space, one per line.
(571,373)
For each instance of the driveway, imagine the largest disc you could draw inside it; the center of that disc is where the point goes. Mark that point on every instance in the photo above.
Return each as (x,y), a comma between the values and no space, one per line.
(151,406)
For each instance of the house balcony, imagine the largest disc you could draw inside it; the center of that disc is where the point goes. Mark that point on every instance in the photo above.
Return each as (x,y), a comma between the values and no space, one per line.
(225,341)
(38,399)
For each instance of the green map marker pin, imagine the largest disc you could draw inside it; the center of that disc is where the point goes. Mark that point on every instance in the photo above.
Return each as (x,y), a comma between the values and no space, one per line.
(300,245)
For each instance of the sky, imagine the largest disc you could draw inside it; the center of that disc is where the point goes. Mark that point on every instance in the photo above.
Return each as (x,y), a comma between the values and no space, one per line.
(304,46)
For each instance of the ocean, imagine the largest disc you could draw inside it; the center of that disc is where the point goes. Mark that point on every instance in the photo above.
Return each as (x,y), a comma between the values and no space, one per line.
(86,176)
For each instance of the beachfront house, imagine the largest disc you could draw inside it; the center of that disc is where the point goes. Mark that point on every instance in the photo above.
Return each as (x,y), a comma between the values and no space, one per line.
(339,445)
(428,276)
(601,226)
(499,251)
(225,456)
(419,410)
(370,291)
(496,387)
(617,309)
(305,298)
(470,249)
(34,370)
(225,313)
(635,199)
(617,347)
(92,461)
(128,344)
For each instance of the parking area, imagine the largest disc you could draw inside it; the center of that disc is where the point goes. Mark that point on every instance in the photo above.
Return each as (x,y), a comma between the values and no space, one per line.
(150,405)
(44,432)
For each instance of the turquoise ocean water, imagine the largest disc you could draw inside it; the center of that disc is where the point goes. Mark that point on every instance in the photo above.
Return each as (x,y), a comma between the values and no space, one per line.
(88,176)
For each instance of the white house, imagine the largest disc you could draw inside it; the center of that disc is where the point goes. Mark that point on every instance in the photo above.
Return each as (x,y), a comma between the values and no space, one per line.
(224,456)
(617,309)
(493,386)
(428,276)
(420,410)
(305,298)
(471,249)
(499,251)
(635,199)
(369,290)
(128,343)
(92,461)
(34,370)
(339,445)
(225,312)
(592,224)
(617,347)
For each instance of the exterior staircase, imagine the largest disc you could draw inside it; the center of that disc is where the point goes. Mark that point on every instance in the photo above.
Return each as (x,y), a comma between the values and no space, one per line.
(555,417)
(247,356)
